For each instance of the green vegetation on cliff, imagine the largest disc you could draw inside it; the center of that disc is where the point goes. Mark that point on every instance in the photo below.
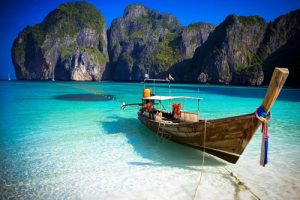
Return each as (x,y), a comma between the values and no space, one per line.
(69,17)
(168,52)
(251,20)
(72,33)
(241,50)
(66,53)
(132,7)
(32,37)
(196,26)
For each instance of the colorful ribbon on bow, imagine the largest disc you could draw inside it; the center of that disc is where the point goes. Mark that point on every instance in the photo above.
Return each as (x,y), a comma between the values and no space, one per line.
(264,118)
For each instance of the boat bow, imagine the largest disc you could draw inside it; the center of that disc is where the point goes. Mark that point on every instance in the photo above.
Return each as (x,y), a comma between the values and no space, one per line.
(225,138)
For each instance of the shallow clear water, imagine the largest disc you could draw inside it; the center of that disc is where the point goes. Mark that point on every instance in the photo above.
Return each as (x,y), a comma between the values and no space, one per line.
(71,140)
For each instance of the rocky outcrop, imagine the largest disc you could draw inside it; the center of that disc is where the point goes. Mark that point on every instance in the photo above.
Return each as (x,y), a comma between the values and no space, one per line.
(285,56)
(229,54)
(142,40)
(70,44)
(245,51)
(281,47)
(194,36)
(241,50)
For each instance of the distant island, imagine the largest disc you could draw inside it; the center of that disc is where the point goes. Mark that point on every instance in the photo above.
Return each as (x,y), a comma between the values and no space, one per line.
(72,43)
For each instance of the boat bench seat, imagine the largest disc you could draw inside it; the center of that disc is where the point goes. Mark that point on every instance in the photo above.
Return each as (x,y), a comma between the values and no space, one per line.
(188,117)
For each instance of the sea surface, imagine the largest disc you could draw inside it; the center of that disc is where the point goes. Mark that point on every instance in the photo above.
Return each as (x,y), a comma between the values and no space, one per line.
(71,140)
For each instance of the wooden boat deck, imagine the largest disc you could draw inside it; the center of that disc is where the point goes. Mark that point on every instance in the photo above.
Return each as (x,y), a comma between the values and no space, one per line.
(222,136)
(225,138)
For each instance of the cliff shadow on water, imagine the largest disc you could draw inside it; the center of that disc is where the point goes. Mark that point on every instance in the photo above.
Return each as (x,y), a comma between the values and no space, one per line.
(160,151)
(84,97)
(84,92)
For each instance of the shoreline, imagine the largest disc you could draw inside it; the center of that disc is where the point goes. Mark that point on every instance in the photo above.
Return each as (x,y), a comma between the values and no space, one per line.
(173,83)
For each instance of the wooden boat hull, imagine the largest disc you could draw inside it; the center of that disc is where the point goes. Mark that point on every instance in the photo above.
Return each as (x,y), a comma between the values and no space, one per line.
(225,138)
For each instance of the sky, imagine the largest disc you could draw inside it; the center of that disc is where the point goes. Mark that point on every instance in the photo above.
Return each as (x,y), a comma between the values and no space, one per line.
(16,15)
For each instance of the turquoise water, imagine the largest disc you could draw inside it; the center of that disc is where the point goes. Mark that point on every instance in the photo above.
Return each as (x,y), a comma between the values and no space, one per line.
(72,140)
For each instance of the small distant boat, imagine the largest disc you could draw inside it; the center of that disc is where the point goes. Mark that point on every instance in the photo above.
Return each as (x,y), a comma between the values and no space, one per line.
(53,76)
(8,77)
(225,138)
(52,72)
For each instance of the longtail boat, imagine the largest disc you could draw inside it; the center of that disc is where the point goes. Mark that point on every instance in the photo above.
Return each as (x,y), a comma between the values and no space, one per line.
(225,138)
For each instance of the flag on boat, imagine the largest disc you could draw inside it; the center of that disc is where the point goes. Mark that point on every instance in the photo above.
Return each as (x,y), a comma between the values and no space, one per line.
(146,76)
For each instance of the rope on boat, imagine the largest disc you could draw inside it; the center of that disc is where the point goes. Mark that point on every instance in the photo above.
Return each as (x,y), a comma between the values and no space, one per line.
(203,158)
(160,133)
(264,117)
(160,130)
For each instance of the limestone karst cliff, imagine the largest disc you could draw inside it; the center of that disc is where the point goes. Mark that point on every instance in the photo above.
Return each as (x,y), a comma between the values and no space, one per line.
(70,44)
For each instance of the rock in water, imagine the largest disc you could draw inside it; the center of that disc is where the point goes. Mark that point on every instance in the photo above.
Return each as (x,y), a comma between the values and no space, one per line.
(229,54)
(245,51)
(143,39)
(70,44)
(281,47)
(194,36)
